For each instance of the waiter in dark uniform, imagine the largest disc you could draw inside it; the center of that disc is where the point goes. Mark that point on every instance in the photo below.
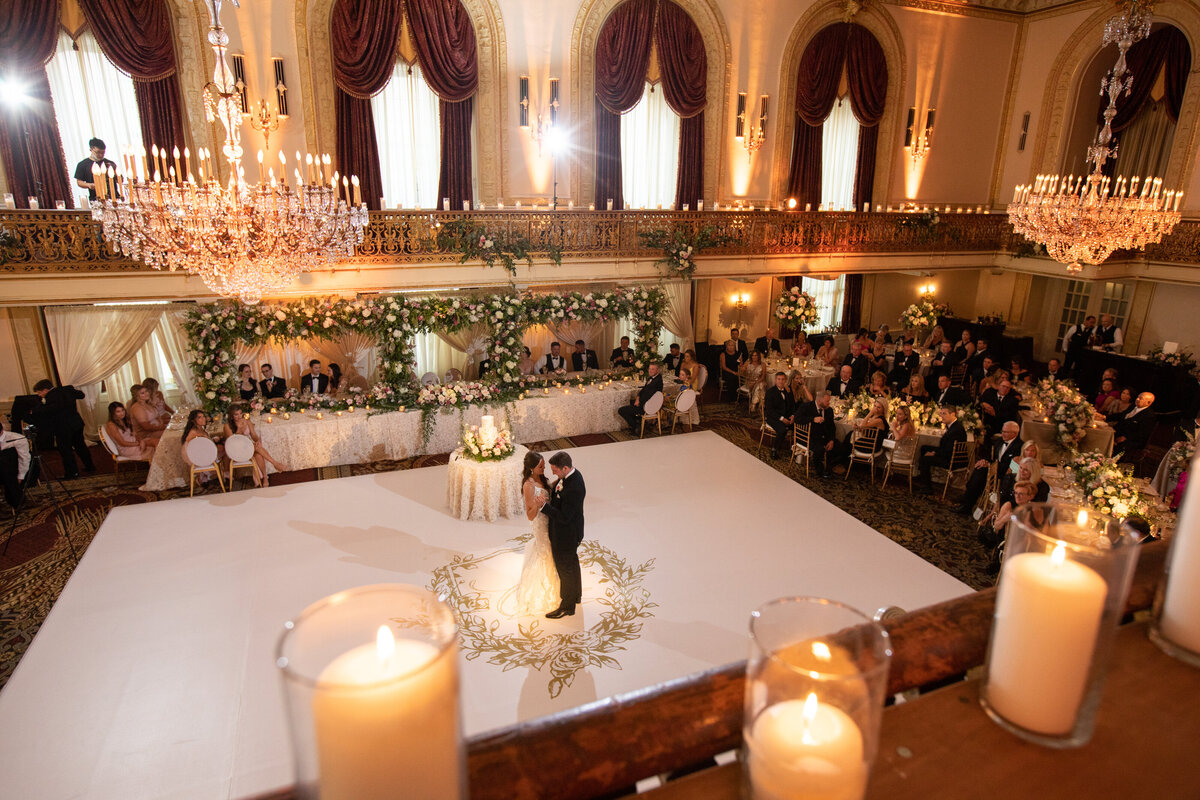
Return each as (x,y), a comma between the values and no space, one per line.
(83,170)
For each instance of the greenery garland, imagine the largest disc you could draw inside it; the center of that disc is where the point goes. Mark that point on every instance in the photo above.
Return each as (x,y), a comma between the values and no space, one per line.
(680,246)
(473,241)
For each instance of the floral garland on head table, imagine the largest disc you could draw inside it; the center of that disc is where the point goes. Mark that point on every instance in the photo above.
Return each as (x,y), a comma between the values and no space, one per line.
(797,309)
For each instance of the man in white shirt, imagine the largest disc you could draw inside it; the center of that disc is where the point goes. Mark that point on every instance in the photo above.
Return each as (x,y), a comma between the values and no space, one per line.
(554,361)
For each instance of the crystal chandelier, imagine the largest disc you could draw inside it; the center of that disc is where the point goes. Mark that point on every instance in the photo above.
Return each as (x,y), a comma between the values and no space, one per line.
(242,240)
(1082,220)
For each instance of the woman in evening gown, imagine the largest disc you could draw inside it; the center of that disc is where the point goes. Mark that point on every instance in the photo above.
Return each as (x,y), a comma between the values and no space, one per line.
(537,593)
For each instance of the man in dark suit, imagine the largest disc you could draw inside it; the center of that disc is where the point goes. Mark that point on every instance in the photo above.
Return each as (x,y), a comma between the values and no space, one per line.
(1076,341)
(998,406)
(823,431)
(768,344)
(943,361)
(673,360)
(553,362)
(739,344)
(621,357)
(859,364)
(985,367)
(779,411)
(1133,428)
(270,386)
(940,455)
(565,512)
(583,358)
(907,362)
(632,413)
(843,384)
(947,395)
(314,380)
(59,415)
(1001,452)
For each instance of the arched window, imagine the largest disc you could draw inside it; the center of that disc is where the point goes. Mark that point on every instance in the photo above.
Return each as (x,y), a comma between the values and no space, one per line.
(650,151)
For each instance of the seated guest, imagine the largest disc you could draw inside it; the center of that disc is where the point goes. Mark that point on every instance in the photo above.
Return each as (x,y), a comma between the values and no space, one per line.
(947,395)
(991,379)
(940,456)
(632,413)
(800,391)
(1108,392)
(876,419)
(621,357)
(527,366)
(314,380)
(779,411)
(1023,468)
(14,464)
(935,338)
(1017,372)
(335,377)
(767,344)
(739,344)
(828,354)
(877,355)
(554,361)
(843,384)
(158,400)
(879,385)
(1000,452)
(196,426)
(673,360)
(1133,428)
(981,350)
(485,365)
(730,362)
(691,368)
(1054,370)
(1031,450)
(801,348)
(859,364)
(960,347)
(238,421)
(754,372)
(270,386)
(1116,408)
(823,431)
(904,426)
(908,363)
(998,406)
(882,334)
(147,424)
(943,362)
(120,433)
(1110,374)
(991,528)
(982,371)
(583,358)
(247,388)
(863,337)
(915,392)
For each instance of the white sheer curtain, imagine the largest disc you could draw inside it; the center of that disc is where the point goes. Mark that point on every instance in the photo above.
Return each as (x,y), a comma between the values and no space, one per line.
(434,354)
(408,131)
(354,353)
(650,152)
(149,362)
(1145,146)
(177,352)
(839,156)
(93,98)
(828,295)
(677,322)
(473,342)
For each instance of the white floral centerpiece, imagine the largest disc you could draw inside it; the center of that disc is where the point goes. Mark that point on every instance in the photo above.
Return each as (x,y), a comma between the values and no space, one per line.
(923,415)
(1180,358)
(797,309)
(486,442)
(1107,486)
(1061,404)
(456,393)
(923,314)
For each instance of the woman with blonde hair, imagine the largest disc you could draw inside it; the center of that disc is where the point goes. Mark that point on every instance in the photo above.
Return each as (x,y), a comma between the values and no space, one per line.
(158,400)
(915,391)
(935,338)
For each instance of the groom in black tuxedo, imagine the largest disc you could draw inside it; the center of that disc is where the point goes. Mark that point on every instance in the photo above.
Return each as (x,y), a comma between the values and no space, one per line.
(565,510)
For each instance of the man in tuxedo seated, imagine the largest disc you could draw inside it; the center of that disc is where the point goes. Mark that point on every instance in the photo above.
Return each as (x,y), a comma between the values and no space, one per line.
(739,344)
(1054,370)
(553,362)
(583,358)
(981,351)
(314,380)
(940,456)
(999,405)
(858,363)
(768,344)
(844,383)
(632,413)
(985,367)
(622,356)
(1002,451)
(1134,426)
(947,395)
(907,362)
(822,431)
(59,415)
(673,360)
(779,411)
(943,361)
(270,386)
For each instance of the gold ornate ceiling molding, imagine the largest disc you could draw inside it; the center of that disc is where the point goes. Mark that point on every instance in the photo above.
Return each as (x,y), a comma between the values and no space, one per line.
(491,98)
(883,27)
(582,67)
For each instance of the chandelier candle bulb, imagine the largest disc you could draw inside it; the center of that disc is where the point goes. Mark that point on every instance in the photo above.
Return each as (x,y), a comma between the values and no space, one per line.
(357,193)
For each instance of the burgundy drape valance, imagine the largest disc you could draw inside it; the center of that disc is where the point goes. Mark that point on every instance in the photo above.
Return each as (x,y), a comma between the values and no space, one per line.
(1166,46)
(684,65)
(841,47)
(135,36)
(445,42)
(363,35)
(29,143)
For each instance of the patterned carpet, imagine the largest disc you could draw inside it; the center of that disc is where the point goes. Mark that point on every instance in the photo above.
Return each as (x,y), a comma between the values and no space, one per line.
(38,563)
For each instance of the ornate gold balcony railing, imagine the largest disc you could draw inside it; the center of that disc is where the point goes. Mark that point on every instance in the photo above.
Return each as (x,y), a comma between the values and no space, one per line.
(68,241)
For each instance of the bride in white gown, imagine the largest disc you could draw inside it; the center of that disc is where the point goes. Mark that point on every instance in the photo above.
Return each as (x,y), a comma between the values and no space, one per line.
(537,593)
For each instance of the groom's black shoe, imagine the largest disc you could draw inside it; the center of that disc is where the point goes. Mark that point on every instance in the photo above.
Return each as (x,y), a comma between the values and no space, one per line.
(561,612)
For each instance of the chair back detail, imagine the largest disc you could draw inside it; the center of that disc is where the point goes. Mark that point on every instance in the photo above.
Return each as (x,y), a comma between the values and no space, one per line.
(702,378)
(654,404)
(108,443)
(685,401)
(239,448)
(201,452)
(428,378)
(803,436)
(863,441)
(960,457)
(453,374)
(905,450)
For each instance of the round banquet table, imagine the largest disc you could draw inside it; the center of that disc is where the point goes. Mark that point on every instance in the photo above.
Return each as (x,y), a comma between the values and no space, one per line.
(485,489)
(815,377)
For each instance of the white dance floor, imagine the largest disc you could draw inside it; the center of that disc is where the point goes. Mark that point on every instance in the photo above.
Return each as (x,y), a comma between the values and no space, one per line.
(153,675)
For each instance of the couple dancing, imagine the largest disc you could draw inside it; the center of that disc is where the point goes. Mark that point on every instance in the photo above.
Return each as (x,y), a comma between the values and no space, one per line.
(551,582)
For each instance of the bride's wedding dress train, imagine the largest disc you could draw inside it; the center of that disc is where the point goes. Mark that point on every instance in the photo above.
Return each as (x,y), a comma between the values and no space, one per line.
(537,593)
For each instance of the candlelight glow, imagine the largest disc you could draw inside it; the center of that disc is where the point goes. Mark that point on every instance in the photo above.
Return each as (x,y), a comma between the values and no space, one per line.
(385,643)
(1082,519)
(821,651)
(1060,551)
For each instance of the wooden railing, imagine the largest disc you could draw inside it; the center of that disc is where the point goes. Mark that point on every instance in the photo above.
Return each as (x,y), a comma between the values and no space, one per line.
(68,241)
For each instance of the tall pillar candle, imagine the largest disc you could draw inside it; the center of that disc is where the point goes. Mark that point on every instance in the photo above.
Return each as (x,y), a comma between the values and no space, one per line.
(1179,615)
(1048,613)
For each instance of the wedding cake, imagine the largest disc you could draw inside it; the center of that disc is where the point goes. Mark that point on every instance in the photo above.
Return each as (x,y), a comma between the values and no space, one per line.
(486,442)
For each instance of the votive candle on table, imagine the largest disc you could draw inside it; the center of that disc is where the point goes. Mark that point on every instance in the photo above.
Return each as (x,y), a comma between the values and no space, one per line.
(1176,626)
(806,749)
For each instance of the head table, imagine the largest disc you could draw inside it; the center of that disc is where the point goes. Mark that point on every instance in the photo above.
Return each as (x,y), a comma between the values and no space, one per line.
(362,436)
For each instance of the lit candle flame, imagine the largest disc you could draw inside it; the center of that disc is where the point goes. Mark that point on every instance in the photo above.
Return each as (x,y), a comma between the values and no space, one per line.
(1082,518)
(808,714)
(385,643)
(1060,554)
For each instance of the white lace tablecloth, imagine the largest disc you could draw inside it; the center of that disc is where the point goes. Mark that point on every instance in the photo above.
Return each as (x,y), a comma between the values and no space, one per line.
(815,377)
(305,442)
(485,489)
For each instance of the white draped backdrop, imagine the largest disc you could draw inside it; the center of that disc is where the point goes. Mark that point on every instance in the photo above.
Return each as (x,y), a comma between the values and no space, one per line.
(650,151)
(839,156)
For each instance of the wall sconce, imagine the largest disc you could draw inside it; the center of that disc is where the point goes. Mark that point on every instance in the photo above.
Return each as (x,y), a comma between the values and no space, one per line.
(753,138)
(265,122)
(739,300)
(927,291)
(1024,132)
(918,145)
(239,81)
(281,107)
(541,131)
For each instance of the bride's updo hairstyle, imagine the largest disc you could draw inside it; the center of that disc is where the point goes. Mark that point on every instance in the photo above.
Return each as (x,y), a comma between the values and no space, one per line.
(532,459)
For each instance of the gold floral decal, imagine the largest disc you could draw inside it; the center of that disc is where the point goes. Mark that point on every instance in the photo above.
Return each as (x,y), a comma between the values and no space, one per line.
(564,654)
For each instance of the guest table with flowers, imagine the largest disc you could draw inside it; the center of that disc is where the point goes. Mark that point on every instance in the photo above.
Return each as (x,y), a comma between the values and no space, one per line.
(483,478)
(1060,420)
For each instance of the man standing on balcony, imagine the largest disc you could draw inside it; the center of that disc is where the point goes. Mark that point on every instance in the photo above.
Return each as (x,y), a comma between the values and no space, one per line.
(83,170)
